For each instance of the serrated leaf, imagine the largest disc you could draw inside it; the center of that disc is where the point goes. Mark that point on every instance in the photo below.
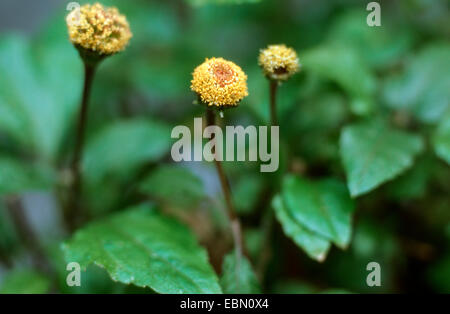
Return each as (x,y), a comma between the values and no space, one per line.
(143,247)
(124,145)
(25,282)
(373,153)
(238,276)
(312,243)
(322,206)
(441,139)
(18,177)
(175,185)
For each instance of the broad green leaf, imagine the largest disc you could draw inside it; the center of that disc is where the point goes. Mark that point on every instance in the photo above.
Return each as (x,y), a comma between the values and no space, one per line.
(174,184)
(17,177)
(423,88)
(441,139)
(322,206)
(344,66)
(143,247)
(312,243)
(36,105)
(373,153)
(25,282)
(122,146)
(238,276)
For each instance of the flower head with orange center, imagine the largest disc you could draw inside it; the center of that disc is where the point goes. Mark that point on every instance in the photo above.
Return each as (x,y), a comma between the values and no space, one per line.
(98,29)
(279,62)
(219,82)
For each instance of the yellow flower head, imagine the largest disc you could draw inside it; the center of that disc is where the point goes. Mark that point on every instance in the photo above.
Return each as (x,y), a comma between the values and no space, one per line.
(279,62)
(98,29)
(219,82)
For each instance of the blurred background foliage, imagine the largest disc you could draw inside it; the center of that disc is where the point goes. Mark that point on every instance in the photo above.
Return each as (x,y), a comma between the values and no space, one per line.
(350,72)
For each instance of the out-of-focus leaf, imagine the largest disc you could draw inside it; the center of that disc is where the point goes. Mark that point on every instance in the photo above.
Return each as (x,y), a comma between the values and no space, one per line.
(293,287)
(238,276)
(246,193)
(439,275)
(142,247)
(8,237)
(324,207)
(424,87)
(312,243)
(412,184)
(175,185)
(441,139)
(17,177)
(35,103)
(205,2)
(373,153)
(379,46)
(344,66)
(25,282)
(123,145)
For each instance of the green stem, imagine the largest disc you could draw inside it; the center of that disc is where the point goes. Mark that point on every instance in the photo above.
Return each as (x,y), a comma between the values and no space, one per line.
(235,223)
(267,218)
(74,214)
(273,102)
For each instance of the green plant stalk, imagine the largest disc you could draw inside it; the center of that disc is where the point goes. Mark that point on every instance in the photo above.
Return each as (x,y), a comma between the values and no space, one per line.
(273,102)
(267,217)
(233,218)
(74,213)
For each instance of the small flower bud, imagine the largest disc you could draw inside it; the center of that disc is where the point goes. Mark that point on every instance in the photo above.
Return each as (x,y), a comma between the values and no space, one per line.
(97,31)
(279,62)
(219,82)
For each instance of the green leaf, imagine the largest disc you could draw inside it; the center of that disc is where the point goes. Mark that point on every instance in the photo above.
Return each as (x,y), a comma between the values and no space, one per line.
(424,87)
(379,46)
(142,247)
(441,139)
(122,146)
(205,2)
(312,243)
(247,192)
(323,207)
(25,282)
(36,105)
(413,183)
(373,153)
(175,185)
(17,177)
(343,65)
(238,276)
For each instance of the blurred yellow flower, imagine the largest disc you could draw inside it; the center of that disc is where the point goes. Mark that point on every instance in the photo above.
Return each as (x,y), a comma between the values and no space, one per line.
(279,62)
(219,82)
(99,29)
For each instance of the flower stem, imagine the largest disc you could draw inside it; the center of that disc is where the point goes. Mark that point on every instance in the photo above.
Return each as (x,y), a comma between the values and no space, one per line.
(268,216)
(273,101)
(235,223)
(74,214)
